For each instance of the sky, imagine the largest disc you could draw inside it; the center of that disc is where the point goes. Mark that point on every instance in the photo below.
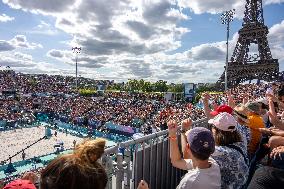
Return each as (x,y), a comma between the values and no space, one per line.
(174,40)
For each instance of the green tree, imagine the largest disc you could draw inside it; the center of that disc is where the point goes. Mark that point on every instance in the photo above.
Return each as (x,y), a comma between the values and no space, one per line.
(148,87)
(132,85)
(115,86)
(176,88)
(202,89)
(141,84)
(161,86)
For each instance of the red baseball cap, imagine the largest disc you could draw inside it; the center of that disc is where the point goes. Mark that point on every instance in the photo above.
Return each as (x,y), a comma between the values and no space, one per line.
(20,184)
(222,108)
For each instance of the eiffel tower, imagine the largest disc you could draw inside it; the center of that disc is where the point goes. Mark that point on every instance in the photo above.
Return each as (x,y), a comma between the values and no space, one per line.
(245,65)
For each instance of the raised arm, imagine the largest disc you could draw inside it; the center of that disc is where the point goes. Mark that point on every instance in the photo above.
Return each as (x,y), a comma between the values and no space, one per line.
(231,101)
(271,107)
(276,122)
(185,126)
(245,98)
(175,155)
(207,109)
(275,99)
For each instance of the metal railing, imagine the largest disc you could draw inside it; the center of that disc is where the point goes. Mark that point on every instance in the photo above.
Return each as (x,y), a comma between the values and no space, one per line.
(145,158)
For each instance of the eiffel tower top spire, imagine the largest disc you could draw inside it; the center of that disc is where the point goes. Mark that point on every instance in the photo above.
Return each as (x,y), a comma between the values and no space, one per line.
(253,12)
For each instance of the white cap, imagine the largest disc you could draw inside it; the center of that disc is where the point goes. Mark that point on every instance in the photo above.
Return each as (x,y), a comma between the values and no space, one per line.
(224,121)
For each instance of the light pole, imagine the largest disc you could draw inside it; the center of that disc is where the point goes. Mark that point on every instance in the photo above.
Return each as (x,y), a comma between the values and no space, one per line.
(76,50)
(226,18)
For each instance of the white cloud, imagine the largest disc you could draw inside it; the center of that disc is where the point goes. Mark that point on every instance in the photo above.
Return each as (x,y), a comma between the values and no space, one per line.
(132,39)
(109,27)
(219,6)
(276,41)
(6,46)
(267,2)
(23,62)
(16,60)
(55,53)
(20,41)
(43,28)
(50,6)
(276,34)
(83,60)
(202,63)
(23,56)
(206,52)
(213,6)
(6,18)
(43,24)
(205,62)
(115,35)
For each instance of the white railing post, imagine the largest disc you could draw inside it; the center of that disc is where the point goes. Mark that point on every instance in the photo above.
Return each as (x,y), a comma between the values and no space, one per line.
(119,171)
(127,159)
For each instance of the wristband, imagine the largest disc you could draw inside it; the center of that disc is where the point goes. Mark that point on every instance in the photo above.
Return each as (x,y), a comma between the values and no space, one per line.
(172,138)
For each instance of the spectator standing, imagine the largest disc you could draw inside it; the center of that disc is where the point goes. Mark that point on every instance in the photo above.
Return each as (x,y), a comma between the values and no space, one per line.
(230,152)
(203,171)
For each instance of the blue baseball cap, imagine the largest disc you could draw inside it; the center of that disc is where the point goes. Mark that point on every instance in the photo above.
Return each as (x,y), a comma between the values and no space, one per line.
(201,141)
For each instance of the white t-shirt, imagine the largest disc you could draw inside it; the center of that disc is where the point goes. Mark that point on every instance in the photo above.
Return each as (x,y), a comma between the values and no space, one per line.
(201,178)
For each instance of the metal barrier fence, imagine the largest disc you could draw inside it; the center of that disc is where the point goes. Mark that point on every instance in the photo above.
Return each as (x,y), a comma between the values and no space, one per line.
(145,158)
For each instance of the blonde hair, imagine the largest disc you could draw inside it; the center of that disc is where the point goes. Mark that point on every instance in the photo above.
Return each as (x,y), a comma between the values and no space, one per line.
(77,170)
(90,151)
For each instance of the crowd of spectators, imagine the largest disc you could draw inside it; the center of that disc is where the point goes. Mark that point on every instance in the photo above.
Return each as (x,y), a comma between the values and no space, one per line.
(32,94)
(242,148)
(249,141)
(43,83)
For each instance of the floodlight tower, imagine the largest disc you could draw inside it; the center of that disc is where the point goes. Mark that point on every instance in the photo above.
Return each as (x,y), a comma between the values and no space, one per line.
(76,50)
(226,18)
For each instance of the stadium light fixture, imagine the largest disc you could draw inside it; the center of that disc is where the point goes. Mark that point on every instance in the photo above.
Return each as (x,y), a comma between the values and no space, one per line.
(226,18)
(76,50)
